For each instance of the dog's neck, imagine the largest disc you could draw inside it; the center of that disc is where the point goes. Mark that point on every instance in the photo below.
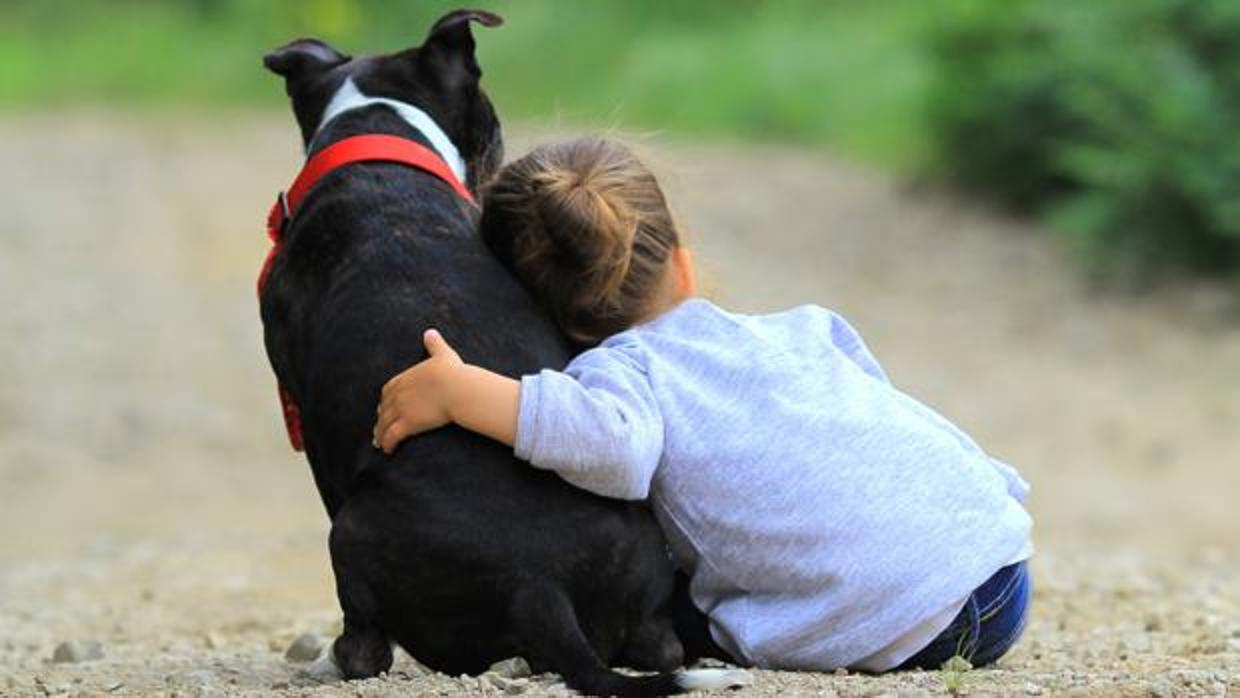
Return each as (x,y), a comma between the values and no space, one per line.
(348,97)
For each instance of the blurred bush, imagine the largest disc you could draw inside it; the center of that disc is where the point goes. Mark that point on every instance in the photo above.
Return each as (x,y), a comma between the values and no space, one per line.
(1119,120)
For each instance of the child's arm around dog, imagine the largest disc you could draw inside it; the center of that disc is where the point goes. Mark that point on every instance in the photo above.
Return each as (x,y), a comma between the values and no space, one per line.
(442,390)
(608,420)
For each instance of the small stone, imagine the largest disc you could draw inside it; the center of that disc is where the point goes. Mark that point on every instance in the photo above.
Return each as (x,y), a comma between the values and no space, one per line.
(513,668)
(212,641)
(841,672)
(1032,689)
(78,651)
(516,687)
(1161,689)
(912,693)
(306,648)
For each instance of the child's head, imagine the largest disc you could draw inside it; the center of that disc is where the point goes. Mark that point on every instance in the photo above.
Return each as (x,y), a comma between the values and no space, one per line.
(586,228)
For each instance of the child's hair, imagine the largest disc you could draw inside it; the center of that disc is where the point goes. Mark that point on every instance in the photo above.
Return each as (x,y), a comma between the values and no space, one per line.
(584,225)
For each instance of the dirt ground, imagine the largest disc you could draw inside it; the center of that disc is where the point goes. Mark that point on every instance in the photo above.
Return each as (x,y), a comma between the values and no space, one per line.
(149,502)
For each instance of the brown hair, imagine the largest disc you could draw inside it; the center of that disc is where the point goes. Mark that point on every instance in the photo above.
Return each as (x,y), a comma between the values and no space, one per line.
(585,226)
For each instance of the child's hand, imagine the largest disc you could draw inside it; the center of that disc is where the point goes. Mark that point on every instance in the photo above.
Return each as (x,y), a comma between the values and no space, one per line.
(419,398)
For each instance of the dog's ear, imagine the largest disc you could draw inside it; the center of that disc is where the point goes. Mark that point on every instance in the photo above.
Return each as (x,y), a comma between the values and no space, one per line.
(300,57)
(448,52)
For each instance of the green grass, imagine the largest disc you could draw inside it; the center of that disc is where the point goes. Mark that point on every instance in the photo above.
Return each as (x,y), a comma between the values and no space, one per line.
(955,675)
(847,75)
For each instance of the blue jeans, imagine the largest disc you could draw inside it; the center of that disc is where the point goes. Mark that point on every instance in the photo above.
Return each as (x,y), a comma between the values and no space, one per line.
(988,625)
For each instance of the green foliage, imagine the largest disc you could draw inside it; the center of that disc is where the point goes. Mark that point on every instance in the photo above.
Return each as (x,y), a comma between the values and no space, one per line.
(1118,119)
(835,72)
(1114,119)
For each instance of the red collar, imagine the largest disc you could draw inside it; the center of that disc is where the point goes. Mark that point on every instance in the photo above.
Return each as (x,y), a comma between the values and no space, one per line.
(367,148)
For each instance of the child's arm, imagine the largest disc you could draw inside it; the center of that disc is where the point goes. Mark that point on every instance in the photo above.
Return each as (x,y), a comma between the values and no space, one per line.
(596,424)
(444,389)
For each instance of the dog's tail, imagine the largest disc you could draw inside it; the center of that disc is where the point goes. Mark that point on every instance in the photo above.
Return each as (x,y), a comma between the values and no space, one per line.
(544,616)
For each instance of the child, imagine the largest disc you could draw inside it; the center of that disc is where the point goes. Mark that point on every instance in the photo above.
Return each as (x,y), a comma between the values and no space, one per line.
(826,519)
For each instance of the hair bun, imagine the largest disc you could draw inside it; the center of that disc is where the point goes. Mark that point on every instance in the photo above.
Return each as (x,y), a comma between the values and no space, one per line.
(585,227)
(587,220)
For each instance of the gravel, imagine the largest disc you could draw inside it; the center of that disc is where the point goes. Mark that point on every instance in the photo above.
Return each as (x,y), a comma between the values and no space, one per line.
(306,648)
(78,651)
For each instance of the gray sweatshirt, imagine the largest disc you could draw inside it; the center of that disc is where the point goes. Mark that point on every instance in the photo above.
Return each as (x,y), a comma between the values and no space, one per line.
(823,514)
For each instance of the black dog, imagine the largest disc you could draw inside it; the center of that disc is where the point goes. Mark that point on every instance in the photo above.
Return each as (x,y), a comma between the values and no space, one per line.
(451,548)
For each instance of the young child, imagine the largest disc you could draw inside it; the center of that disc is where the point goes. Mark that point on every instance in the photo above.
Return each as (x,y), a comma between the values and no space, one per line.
(826,519)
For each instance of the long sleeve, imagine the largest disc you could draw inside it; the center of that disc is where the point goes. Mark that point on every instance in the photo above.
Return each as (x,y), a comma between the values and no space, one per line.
(596,424)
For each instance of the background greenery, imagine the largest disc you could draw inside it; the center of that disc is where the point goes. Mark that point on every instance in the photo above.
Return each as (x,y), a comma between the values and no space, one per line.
(1119,120)
(1113,119)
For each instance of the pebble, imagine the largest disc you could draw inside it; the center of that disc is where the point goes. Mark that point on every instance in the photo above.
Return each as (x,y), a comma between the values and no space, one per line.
(912,693)
(513,668)
(306,648)
(1032,689)
(511,687)
(212,641)
(1161,689)
(78,651)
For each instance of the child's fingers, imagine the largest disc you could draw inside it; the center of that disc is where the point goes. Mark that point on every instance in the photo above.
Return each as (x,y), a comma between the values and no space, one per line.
(393,435)
(387,416)
(435,344)
(394,383)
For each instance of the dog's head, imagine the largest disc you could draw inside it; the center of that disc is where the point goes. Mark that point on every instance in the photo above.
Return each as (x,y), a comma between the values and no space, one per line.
(440,77)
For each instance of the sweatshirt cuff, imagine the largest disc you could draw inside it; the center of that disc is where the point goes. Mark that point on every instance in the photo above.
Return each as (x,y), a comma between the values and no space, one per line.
(525,443)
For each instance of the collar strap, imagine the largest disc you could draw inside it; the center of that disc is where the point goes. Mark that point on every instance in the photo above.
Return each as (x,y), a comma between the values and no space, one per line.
(367,148)
(348,98)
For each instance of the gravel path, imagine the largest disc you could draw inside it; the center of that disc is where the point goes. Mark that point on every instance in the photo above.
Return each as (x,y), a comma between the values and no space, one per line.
(150,505)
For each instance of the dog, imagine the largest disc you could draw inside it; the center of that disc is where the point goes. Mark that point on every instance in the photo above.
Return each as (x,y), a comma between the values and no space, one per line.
(450,548)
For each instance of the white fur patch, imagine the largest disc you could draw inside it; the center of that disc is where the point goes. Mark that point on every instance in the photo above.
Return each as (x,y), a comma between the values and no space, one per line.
(712,679)
(348,97)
